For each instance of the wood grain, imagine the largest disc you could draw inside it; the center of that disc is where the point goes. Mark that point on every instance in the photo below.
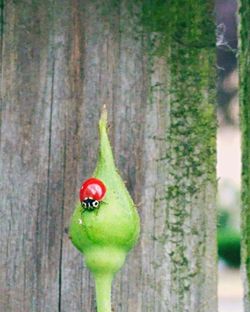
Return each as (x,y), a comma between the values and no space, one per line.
(60,62)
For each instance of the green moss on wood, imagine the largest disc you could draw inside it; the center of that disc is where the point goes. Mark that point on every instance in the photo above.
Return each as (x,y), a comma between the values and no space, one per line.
(244,64)
(184,33)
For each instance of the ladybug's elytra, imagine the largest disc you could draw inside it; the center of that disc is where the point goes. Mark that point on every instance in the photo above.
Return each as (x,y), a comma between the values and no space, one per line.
(91,193)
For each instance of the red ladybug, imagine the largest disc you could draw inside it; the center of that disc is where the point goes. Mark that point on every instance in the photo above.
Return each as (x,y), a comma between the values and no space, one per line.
(91,193)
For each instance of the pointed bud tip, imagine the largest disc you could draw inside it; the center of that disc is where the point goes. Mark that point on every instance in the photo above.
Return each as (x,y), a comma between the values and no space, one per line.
(104,115)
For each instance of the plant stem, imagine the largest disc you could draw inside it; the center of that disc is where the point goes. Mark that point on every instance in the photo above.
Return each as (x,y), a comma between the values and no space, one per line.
(103,284)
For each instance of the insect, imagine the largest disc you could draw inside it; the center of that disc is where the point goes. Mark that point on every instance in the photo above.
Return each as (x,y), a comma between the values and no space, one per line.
(91,193)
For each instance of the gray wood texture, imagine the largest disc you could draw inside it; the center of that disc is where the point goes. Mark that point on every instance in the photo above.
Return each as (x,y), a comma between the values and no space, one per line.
(60,62)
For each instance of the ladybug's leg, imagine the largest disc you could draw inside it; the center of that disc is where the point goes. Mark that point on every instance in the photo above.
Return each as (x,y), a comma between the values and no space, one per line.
(84,206)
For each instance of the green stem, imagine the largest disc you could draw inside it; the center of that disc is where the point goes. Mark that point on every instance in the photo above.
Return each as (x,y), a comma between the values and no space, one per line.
(103,284)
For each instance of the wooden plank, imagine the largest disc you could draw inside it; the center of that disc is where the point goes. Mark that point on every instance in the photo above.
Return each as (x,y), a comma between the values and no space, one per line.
(61,60)
(31,222)
(77,292)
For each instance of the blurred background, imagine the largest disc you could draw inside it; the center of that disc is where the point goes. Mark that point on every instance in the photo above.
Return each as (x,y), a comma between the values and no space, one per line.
(228,166)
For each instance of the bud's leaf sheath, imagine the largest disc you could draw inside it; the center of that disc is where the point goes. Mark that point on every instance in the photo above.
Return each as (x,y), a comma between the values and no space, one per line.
(106,235)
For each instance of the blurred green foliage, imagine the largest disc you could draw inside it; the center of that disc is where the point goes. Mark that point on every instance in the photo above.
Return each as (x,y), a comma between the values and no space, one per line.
(228,239)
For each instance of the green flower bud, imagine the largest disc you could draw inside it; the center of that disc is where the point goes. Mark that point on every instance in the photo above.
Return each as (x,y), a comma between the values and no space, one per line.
(105,235)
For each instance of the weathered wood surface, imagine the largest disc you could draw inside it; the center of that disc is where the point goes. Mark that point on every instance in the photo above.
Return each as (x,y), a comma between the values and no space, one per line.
(60,61)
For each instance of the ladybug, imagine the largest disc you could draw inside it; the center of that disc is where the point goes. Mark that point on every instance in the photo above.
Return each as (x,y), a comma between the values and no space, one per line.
(91,193)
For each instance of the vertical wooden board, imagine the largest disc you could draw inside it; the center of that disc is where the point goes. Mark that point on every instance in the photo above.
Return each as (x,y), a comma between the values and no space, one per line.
(62,61)
(77,292)
(95,34)
(162,273)
(26,99)
(128,118)
(88,39)
(53,214)
(29,237)
(105,68)
(155,274)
